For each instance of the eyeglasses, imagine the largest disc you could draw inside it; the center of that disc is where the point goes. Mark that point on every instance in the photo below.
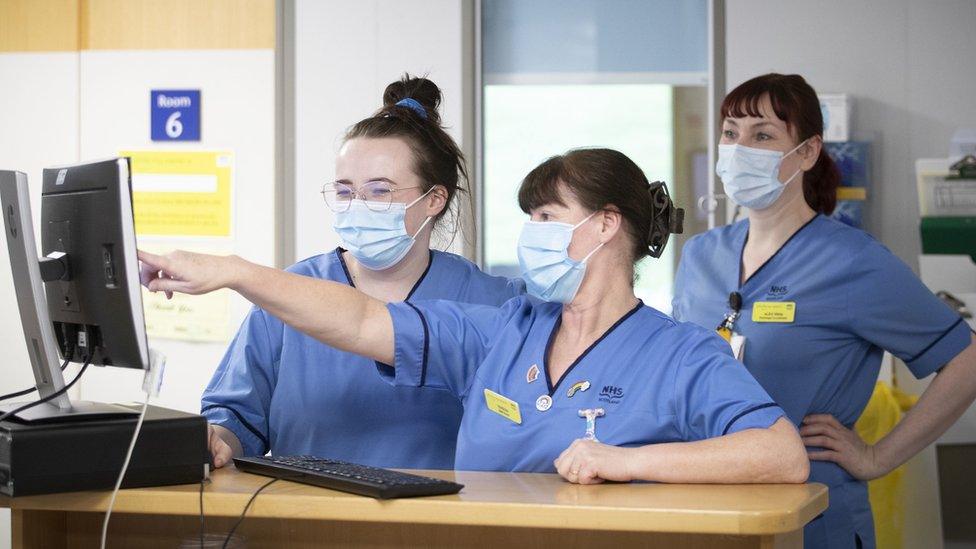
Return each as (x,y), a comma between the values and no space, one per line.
(378,195)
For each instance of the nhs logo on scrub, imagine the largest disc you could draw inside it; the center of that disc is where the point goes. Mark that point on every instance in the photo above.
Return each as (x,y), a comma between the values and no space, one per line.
(175,115)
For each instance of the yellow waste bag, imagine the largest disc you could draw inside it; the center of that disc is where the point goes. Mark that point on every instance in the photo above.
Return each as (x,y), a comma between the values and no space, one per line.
(886,493)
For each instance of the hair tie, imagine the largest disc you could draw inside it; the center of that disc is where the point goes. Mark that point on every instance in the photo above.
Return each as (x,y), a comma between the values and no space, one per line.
(413,105)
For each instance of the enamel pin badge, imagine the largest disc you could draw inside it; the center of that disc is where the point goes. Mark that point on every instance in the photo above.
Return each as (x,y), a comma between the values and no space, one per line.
(543,403)
(532,374)
(578,387)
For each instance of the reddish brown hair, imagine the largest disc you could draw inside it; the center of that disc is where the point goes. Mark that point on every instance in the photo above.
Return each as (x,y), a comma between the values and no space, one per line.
(795,103)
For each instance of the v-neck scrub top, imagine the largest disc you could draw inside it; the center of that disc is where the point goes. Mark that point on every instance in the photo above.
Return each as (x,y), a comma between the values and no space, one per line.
(282,391)
(853,300)
(657,380)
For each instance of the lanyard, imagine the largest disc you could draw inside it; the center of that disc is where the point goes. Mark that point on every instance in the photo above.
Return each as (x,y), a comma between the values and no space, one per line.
(727,326)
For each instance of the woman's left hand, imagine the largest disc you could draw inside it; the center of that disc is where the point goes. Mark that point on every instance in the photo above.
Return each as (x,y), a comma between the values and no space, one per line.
(841,445)
(592,462)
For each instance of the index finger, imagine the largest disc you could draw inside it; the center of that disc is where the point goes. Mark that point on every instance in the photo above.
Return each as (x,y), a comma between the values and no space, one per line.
(156,261)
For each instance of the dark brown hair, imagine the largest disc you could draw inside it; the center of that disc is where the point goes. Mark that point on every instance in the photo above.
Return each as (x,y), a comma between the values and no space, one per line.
(598,178)
(437,160)
(795,103)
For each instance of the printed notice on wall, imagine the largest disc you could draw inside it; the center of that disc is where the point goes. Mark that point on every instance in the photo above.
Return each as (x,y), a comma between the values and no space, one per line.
(182,193)
(201,318)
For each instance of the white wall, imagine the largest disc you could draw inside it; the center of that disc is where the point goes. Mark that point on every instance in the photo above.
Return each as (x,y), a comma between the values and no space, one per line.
(346,52)
(39,114)
(908,64)
(65,107)
(237,114)
(39,117)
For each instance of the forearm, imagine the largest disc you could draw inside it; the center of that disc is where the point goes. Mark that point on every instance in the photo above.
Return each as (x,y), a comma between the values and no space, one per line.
(947,397)
(332,313)
(773,455)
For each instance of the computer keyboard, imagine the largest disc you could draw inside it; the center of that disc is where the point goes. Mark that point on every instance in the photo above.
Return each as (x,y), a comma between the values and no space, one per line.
(347,477)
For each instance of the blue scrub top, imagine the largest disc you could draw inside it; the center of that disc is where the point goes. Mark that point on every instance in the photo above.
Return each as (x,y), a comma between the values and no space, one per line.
(282,391)
(854,299)
(657,380)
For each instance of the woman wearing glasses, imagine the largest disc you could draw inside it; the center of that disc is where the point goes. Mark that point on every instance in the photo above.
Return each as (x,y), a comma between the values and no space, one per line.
(279,390)
(585,380)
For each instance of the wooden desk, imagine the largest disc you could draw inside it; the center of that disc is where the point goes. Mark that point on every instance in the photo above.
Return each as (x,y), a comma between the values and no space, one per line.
(494,510)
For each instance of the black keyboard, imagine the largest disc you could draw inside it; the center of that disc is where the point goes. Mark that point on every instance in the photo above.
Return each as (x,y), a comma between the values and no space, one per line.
(347,477)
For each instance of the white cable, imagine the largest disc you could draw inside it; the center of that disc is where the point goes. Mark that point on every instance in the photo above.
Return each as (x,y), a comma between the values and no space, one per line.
(125,465)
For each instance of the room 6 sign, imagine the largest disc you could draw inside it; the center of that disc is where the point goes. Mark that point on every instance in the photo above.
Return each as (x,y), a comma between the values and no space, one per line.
(175,115)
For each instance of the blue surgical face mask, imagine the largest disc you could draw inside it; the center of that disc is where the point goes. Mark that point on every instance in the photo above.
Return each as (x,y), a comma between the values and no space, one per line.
(751,176)
(543,253)
(378,240)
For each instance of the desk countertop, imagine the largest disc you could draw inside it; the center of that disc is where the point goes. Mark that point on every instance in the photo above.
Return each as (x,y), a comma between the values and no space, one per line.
(488,499)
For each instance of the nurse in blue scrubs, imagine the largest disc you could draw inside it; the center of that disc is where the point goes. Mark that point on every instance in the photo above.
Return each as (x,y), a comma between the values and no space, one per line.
(812,304)
(280,390)
(581,379)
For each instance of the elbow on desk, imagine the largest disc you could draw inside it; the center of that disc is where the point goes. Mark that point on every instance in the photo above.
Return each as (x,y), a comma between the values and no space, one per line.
(789,464)
(798,470)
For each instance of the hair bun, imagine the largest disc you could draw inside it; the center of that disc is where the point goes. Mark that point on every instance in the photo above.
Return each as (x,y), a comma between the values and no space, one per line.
(420,90)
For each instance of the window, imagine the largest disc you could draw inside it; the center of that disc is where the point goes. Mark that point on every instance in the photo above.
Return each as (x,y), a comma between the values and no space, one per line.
(525,124)
(623,74)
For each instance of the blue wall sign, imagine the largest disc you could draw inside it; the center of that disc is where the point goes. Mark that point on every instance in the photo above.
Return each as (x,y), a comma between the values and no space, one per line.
(175,115)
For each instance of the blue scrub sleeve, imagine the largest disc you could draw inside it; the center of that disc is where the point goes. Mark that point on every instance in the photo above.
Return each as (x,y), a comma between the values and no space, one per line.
(239,395)
(442,343)
(681,279)
(890,307)
(715,395)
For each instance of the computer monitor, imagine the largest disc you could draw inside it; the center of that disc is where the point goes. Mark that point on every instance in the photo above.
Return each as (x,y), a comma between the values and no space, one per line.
(91,307)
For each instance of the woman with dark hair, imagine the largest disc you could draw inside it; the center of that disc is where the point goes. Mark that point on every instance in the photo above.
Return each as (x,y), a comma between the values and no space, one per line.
(583,380)
(810,304)
(279,390)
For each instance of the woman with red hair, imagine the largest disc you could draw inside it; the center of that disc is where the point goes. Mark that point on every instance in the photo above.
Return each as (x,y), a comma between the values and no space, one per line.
(810,305)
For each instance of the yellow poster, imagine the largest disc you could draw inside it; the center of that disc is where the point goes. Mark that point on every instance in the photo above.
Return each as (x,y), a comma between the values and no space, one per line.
(187,318)
(182,193)
(202,318)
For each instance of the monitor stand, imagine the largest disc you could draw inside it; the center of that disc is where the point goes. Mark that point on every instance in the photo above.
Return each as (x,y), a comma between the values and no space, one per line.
(42,348)
(78,410)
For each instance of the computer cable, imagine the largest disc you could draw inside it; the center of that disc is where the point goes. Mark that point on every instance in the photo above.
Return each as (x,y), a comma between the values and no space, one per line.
(244,512)
(125,465)
(16,394)
(32,389)
(51,396)
(203,526)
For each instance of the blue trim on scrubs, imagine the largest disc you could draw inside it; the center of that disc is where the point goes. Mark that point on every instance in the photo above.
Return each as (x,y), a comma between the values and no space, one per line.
(747,412)
(854,299)
(742,252)
(934,343)
(552,339)
(423,370)
(657,380)
(278,389)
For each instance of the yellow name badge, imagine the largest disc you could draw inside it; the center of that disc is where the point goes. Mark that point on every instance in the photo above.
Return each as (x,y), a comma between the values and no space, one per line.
(773,311)
(502,406)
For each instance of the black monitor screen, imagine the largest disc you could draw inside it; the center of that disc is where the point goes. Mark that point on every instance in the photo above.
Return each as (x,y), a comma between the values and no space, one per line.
(86,213)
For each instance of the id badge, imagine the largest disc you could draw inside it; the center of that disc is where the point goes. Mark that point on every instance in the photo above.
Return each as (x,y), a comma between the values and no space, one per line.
(774,311)
(505,407)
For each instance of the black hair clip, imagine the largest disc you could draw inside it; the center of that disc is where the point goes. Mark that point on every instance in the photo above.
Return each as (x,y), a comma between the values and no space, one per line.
(666,219)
